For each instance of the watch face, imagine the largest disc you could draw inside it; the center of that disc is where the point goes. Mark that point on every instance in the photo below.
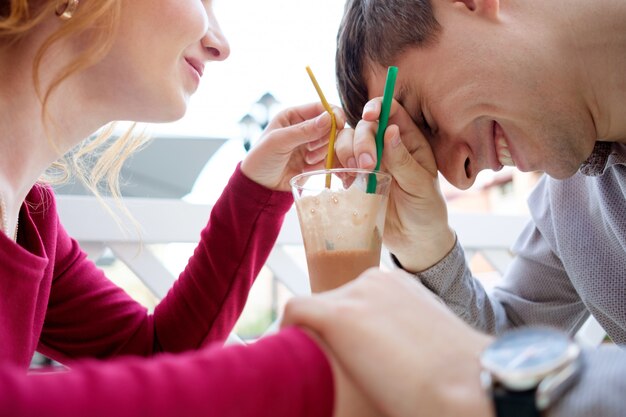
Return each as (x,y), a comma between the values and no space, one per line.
(520,358)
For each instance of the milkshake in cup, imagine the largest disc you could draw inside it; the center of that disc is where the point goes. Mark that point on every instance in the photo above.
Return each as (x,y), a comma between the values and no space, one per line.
(341,222)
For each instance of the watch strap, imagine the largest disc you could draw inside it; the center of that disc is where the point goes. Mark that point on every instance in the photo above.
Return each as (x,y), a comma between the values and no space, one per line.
(514,403)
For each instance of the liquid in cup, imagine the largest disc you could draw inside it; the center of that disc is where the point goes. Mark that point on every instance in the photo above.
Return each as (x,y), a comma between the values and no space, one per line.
(342,226)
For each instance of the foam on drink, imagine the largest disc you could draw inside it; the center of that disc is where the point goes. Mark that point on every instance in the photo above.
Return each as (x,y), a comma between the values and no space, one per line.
(341,232)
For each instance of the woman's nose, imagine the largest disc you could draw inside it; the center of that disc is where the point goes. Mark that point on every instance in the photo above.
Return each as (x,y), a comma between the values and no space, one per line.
(456,164)
(215,42)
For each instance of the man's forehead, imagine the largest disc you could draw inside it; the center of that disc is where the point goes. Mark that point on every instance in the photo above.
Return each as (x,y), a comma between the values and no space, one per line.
(375,80)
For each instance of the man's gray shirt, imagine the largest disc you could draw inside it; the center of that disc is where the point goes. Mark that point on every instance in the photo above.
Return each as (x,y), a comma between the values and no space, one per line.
(570,262)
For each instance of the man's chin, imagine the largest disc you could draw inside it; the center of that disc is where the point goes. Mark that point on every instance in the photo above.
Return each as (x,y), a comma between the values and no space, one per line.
(562,173)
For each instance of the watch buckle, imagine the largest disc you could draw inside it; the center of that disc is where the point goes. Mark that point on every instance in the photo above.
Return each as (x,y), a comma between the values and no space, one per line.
(553,385)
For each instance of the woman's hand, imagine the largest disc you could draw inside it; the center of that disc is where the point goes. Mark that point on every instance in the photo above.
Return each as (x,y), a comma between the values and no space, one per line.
(295,141)
(416,229)
(405,349)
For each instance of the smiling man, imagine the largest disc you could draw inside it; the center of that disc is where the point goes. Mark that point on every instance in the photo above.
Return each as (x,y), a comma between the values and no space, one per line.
(540,85)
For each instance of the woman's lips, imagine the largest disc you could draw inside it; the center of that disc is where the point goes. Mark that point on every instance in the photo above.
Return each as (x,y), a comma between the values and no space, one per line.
(196,65)
(503,153)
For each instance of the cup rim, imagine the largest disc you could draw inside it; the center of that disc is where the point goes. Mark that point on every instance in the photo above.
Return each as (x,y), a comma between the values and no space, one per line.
(292,181)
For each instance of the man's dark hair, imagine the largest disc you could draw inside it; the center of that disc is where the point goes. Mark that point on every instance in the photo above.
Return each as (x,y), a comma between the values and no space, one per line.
(376,32)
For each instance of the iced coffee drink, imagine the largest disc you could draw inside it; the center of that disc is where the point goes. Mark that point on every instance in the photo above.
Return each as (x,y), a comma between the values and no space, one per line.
(342,225)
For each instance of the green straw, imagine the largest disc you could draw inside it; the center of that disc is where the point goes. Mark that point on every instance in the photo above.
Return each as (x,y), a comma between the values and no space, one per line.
(383,120)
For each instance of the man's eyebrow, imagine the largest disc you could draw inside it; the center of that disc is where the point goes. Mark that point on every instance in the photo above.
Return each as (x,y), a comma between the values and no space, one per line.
(401,92)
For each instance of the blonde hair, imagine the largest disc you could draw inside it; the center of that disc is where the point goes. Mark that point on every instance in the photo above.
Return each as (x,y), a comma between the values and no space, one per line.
(98,159)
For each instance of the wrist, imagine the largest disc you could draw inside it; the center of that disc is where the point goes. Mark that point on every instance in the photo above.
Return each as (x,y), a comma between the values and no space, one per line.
(348,400)
(427,253)
(461,393)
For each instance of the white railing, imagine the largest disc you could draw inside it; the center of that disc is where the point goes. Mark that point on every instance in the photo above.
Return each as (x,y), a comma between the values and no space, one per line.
(175,221)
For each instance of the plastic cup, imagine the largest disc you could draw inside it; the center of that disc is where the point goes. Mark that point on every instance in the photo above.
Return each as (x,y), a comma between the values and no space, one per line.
(342,225)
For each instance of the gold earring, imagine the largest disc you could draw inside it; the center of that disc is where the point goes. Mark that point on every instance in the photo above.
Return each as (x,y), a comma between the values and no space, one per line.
(65,9)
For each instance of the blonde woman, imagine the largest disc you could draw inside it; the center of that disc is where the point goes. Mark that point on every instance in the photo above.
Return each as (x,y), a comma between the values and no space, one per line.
(67,68)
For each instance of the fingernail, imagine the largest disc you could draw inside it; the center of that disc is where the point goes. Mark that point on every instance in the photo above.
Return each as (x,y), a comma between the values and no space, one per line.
(365,160)
(368,106)
(395,141)
(351,163)
(322,120)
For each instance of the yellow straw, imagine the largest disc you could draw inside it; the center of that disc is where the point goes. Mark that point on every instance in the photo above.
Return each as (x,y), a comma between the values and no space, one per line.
(333,125)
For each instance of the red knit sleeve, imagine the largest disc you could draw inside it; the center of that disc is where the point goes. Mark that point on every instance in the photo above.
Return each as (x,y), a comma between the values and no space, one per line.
(88,316)
(281,375)
(206,301)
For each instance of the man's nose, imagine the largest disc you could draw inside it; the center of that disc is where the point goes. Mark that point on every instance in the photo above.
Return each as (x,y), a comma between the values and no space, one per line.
(456,163)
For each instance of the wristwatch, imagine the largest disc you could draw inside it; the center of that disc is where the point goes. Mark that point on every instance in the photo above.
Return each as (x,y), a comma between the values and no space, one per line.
(526,370)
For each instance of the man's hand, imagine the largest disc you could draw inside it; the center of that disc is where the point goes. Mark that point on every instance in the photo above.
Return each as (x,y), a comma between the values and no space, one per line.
(417,230)
(396,340)
(350,400)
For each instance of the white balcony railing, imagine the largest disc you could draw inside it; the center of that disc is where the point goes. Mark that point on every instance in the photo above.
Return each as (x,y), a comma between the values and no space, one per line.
(172,221)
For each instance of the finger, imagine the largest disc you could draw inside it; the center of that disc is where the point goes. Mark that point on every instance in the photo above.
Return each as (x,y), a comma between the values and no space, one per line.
(397,114)
(412,137)
(344,149)
(371,109)
(307,131)
(297,114)
(316,156)
(316,166)
(364,144)
(340,117)
(365,138)
(418,146)
(310,312)
(322,143)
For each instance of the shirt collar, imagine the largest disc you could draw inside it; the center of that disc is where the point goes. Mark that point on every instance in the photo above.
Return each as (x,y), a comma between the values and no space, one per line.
(604,155)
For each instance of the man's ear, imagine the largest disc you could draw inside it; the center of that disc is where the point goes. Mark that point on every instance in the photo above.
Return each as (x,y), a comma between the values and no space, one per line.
(485,8)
